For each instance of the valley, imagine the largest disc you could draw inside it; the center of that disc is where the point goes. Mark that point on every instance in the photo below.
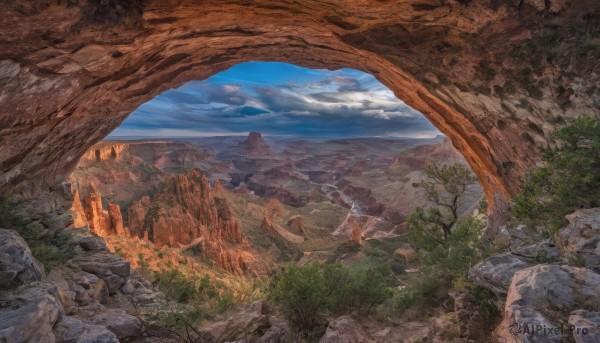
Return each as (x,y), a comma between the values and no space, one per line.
(247,202)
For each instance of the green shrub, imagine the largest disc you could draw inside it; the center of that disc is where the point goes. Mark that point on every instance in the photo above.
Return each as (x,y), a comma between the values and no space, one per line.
(405,299)
(444,265)
(49,255)
(207,288)
(302,293)
(569,180)
(369,288)
(423,291)
(306,294)
(225,301)
(175,285)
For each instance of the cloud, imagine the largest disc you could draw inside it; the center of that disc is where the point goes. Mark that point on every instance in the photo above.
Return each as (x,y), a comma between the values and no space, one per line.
(321,103)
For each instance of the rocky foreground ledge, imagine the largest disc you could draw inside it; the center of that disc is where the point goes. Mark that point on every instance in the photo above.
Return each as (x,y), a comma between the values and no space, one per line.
(551,287)
(86,300)
(82,302)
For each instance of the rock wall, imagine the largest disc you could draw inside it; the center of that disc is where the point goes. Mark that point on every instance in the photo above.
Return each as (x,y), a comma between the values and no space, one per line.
(187,212)
(548,283)
(496,76)
(103,152)
(102,222)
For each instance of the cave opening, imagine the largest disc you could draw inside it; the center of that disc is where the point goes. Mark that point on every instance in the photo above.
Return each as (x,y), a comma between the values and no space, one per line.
(272,135)
(495,77)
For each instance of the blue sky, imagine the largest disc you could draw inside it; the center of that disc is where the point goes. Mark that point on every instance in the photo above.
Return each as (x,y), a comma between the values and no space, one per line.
(277,99)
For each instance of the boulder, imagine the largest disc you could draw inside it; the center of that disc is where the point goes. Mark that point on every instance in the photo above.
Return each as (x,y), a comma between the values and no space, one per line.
(58,278)
(88,241)
(585,326)
(580,239)
(120,323)
(33,321)
(247,323)
(89,288)
(72,330)
(104,263)
(496,272)
(274,334)
(345,330)
(524,235)
(113,269)
(17,265)
(545,295)
(113,282)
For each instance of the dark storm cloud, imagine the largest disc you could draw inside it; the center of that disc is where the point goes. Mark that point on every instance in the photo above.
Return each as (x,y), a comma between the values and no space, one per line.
(347,103)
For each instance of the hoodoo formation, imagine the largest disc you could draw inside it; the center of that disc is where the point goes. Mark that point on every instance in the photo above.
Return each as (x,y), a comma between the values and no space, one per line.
(496,76)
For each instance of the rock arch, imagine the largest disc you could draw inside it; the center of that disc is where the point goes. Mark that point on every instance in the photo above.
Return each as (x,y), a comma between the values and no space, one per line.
(493,76)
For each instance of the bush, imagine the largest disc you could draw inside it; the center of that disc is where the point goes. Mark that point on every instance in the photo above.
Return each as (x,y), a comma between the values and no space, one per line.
(369,288)
(423,291)
(569,180)
(458,252)
(302,293)
(175,285)
(348,247)
(305,294)
(225,301)
(444,265)
(49,255)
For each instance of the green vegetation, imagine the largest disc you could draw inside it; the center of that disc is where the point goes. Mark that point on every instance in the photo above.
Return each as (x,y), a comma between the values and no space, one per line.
(307,293)
(448,246)
(50,247)
(175,285)
(189,290)
(444,187)
(569,180)
(444,269)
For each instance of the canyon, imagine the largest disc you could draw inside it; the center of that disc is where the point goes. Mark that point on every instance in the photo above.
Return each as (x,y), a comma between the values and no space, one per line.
(224,197)
(94,233)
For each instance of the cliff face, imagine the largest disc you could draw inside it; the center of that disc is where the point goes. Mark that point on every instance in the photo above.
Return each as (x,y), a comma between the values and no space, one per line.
(183,212)
(495,76)
(186,212)
(102,222)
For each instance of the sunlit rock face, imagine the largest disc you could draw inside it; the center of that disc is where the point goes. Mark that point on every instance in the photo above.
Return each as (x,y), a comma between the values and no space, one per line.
(496,76)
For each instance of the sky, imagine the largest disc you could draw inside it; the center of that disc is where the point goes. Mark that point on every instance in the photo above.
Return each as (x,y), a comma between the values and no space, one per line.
(277,99)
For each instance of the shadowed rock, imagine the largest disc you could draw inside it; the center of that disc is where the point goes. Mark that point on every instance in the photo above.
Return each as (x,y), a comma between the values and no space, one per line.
(16,262)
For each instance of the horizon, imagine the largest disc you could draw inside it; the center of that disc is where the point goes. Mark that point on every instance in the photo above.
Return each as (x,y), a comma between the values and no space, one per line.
(245,134)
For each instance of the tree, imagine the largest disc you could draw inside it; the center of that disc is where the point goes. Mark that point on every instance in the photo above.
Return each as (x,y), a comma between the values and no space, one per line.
(445,187)
(569,179)
(302,293)
(305,294)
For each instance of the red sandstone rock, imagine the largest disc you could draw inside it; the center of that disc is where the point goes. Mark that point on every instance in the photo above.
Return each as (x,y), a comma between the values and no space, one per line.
(114,212)
(297,223)
(186,212)
(356,234)
(98,219)
(80,216)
